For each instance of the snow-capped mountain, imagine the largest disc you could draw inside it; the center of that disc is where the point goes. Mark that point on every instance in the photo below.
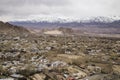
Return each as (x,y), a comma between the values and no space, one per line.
(52,19)
(99,19)
(55,22)
(102,25)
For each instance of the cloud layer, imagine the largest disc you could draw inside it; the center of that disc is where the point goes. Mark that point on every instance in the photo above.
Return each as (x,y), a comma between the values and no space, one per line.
(21,9)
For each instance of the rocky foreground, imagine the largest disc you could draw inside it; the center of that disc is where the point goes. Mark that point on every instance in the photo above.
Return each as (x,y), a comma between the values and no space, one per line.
(64,57)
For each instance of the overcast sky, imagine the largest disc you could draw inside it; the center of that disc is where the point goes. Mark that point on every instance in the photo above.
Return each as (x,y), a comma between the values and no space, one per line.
(24,9)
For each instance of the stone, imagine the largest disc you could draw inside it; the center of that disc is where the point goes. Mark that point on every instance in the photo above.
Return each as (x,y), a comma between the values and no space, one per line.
(38,77)
(116,69)
(17,76)
(58,64)
(77,73)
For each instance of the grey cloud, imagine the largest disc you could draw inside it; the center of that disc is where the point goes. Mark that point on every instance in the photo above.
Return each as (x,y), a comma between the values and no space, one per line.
(33,2)
(24,7)
(69,8)
(2,12)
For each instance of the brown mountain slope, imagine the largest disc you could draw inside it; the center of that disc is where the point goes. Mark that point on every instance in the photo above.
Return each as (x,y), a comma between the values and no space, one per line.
(10,29)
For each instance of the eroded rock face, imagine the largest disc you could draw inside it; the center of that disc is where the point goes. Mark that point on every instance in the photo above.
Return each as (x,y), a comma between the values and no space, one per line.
(38,77)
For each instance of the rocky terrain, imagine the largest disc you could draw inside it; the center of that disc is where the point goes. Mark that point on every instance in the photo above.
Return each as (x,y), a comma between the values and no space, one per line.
(26,56)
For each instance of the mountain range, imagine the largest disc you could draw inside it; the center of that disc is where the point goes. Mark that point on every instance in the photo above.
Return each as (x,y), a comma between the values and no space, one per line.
(59,22)
(96,25)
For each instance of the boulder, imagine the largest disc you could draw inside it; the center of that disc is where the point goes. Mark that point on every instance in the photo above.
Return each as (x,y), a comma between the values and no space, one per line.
(76,72)
(38,77)
(116,69)
(58,64)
